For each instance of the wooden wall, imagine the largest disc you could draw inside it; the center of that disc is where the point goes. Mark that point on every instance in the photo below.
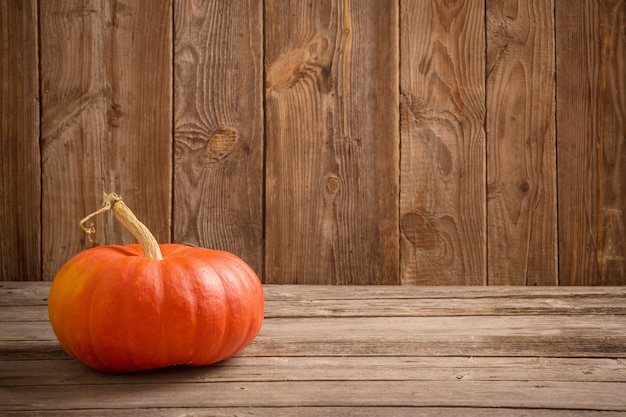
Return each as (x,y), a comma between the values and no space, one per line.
(325,141)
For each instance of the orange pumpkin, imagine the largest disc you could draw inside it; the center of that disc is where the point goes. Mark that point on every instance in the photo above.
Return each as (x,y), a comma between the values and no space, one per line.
(138,307)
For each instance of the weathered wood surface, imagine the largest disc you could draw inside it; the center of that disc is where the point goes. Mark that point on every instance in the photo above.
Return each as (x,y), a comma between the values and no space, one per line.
(218,136)
(334,141)
(521,163)
(20,160)
(106,87)
(352,351)
(442,181)
(591,63)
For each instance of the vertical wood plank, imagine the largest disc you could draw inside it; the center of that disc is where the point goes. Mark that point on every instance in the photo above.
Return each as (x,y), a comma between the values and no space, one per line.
(20,181)
(218,192)
(332,142)
(442,111)
(521,163)
(106,125)
(591,126)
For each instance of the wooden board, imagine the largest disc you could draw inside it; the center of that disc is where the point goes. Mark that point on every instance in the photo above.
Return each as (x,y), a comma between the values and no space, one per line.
(405,307)
(514,336)
(591,126)
(332,142)
(218,170)
(106,76)
(327,142)
(327,368)
(20,172)
(352,351)
(315,411)
(442,183)
(279,394)
(521,163)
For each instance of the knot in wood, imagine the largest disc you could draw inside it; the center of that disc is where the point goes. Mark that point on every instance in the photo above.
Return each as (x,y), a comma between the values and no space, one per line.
(332,185)
(221,143)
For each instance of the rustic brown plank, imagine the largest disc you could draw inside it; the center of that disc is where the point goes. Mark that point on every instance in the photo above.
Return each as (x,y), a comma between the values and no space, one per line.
(555,394)
(317,292)
(323,361)
(106,122)
(442,106)
(36,331)
(20,350)
(404,307)
(378,301)
(562,335)
(332,142)
(360,301)
(374,411)
(612,295)
(70,372)
(555,298)
(591,125)
(20,293)
(20,165)
(434,307)
(218,170)
(521,163)
(23,313)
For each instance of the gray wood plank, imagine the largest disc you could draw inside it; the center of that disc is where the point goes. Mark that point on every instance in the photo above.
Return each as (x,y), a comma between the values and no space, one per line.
(521,394)
(318,412)
(17,293)
(405,368)
(521,153)
(403,307)
(566,336)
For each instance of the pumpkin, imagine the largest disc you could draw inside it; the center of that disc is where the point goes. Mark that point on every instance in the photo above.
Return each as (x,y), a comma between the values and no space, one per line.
(146,306)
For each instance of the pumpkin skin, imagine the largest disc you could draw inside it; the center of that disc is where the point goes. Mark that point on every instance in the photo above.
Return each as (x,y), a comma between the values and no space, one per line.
(117,311)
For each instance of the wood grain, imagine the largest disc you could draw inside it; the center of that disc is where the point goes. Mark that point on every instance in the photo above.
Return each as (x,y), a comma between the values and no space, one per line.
(442,106)
(106,119)
(320,411)
(327,142)
(391,303)
(20,165)
(521,164)
(542,351)
(591,126)
(277,394)
(259,369)
(331,142)
(218,171)
(552,298)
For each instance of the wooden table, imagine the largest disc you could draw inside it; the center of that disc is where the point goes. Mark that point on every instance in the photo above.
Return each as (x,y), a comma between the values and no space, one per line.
(352,351)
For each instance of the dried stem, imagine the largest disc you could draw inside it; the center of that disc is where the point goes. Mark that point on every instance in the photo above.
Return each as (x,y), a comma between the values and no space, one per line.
(127,218)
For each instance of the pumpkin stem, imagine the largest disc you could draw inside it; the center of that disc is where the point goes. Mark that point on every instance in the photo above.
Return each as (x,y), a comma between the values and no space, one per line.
(127,218)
